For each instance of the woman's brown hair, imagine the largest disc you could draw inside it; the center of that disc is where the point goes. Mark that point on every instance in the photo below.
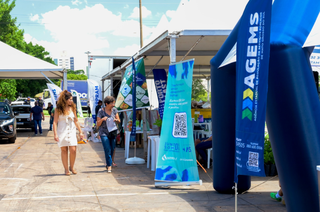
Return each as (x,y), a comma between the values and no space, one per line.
(62,103)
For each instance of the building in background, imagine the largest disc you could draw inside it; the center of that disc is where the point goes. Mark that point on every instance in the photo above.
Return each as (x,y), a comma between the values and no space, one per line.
(65,61)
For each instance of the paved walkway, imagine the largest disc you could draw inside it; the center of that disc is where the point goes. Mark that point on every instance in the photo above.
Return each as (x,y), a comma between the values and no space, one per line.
(32,179)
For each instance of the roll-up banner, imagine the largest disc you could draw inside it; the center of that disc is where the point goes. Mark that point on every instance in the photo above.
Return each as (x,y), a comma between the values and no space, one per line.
(79,108)
(54,93)
(124,98)
(160,81)
(94,95)
(176,162)
(253,50)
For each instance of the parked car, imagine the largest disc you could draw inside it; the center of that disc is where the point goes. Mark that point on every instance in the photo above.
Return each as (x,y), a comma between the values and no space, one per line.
(20,101)
(8,123)
(23,119)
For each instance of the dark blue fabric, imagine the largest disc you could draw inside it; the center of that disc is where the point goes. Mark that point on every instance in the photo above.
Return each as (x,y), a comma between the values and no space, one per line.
(108,147)
(293,120)
(160,81)
(133,129)
(36,124)
(36,112)
(223,120)
(51,122)
(253,48)
(202,147)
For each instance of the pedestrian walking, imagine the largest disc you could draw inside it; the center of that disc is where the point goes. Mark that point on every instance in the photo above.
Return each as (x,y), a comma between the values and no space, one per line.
(50,108)
(36,114)
(106,121)
(64,129)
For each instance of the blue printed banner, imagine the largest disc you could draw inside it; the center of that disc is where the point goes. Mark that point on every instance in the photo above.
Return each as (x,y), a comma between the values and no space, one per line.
(176,155)
(160,81)
(134,91)
(253,49)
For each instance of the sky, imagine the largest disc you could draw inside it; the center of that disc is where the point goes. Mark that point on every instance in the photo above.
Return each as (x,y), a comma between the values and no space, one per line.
(103,27)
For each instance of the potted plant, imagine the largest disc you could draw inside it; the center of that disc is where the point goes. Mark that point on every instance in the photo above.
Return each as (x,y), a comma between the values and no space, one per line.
(269,162)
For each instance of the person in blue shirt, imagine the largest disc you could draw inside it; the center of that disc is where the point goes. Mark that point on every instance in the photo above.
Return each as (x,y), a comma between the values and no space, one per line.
(37,114)
(27,101)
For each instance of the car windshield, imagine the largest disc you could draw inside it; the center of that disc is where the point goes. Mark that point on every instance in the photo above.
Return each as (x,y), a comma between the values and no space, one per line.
(4,109)
(21,109)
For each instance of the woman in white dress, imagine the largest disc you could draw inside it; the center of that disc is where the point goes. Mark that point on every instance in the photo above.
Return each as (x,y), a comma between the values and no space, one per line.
(64,129)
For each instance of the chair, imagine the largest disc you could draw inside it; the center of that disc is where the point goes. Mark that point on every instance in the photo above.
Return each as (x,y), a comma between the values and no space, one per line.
(152,151)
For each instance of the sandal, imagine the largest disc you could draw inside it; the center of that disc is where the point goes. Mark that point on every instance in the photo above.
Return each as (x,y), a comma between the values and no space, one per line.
(67,173)
(73,171)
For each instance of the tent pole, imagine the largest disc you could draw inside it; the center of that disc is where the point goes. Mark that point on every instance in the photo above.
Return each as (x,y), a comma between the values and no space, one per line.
(194,45)
(102,91)
(46,77)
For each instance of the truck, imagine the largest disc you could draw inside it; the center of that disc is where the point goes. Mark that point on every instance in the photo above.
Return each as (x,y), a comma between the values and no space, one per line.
(81,86)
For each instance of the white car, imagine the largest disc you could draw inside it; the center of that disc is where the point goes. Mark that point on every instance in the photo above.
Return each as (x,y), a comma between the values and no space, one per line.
(20,101)
(23,119)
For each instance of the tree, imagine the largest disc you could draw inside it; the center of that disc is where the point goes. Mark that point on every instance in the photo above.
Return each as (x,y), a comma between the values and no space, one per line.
(9,30)
(76,75)
(198,91)
(13,36)
(7,89)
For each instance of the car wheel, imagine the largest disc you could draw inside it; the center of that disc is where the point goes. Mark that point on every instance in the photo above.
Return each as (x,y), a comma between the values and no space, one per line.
(13,140)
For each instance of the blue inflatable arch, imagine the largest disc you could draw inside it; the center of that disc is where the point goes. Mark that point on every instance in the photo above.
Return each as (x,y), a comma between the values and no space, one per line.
(293,108)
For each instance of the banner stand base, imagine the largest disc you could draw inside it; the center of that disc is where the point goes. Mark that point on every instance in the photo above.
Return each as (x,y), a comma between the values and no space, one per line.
(168,184)
(135,160)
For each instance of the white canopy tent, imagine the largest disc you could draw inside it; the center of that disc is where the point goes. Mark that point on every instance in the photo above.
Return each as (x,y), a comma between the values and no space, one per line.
(18,65)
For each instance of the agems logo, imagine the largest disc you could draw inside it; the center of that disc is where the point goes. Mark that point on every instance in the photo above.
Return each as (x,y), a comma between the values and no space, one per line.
(251,65)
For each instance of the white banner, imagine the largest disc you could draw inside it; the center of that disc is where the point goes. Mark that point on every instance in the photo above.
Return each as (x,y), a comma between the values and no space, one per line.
(54,93)
(94,95)
(79,108)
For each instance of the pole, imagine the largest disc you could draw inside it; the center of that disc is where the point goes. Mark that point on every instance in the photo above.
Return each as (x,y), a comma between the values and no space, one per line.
(102,91)
(88,69)
(173,48)
(65,81)
(140,15)
(236,196)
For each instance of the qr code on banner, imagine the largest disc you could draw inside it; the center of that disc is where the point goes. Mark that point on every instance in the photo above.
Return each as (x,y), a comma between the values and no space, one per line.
(180,125)
(253,159)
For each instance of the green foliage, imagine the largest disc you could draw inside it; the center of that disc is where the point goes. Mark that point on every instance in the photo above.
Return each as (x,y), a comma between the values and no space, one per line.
(69,71)
(9,30)
(30,88)
(76,77)
(158,122)
(198,91)
(7,89)
(38,52)
(268,154)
